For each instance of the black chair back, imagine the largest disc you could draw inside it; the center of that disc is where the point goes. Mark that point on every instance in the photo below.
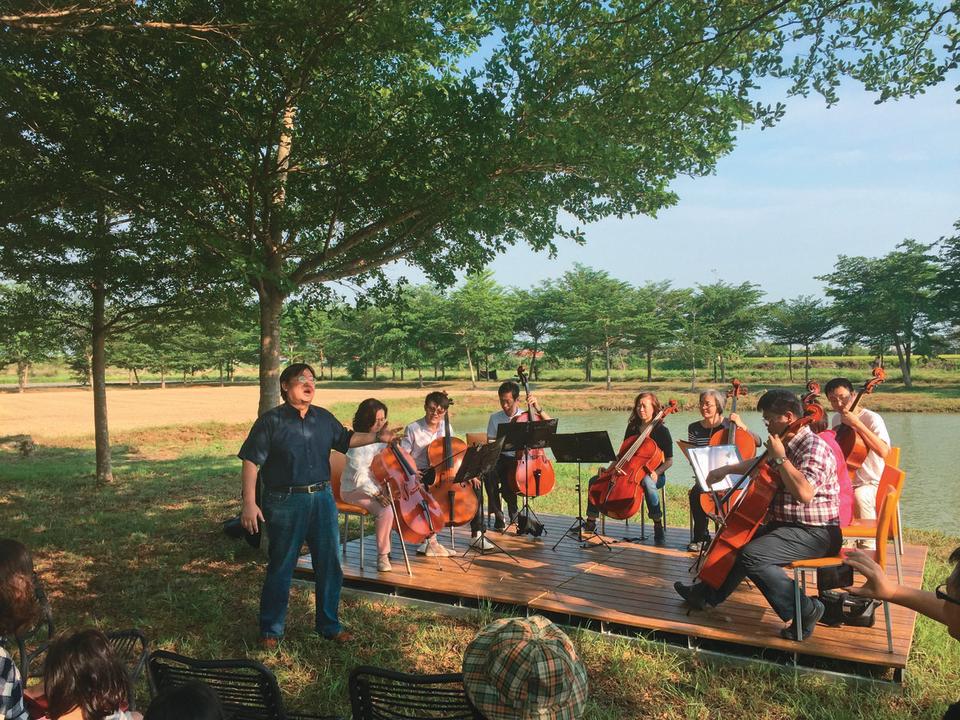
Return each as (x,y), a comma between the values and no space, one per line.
(380,694)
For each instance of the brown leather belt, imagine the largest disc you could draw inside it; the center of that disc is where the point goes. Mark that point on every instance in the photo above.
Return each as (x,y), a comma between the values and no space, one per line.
(316,487)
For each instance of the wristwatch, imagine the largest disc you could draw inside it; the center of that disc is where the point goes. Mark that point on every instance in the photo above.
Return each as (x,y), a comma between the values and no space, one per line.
(777,462)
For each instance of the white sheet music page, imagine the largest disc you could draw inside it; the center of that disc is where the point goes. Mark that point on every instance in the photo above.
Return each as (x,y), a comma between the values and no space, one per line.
(705,459)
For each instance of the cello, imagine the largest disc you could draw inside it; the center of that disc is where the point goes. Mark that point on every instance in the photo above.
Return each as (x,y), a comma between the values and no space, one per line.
(534,475)
(417,514)
(733,434)
(854,449)
(748,513)
(618,490)
(457,501)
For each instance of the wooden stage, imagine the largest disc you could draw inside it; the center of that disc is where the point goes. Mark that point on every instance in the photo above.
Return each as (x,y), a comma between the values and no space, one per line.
(629,589)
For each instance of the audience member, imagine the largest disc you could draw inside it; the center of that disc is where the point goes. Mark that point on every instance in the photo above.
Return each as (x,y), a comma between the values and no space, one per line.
(524,669)
(191,701)
(18,611)
(84,680)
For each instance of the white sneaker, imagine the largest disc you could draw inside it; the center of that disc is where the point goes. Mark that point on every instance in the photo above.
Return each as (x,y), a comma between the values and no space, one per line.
(383,563)
(480,542)
(435,549)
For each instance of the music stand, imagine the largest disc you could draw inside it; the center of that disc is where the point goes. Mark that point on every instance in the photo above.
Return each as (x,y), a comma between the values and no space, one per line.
(478,461)
(585,447)
(519,437)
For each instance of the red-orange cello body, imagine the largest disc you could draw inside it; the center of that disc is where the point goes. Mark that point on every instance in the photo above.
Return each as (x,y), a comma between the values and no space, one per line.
(746,517)
(854,449)
(418,514)
(731,434)
(618,490)
(457,501)
(534,475)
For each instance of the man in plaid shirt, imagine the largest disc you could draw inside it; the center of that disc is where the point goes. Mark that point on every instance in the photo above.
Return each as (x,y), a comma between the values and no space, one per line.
(803,523)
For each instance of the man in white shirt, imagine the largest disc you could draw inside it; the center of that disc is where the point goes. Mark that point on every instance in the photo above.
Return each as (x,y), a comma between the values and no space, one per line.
(501,484)
(873,431)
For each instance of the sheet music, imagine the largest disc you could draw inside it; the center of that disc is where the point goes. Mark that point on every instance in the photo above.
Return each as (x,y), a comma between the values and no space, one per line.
(705,459)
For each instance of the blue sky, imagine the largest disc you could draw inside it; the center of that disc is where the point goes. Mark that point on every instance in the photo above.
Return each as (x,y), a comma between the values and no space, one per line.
(854,179)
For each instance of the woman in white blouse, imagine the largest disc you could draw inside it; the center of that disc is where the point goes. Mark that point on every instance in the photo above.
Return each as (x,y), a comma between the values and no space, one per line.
(357,485)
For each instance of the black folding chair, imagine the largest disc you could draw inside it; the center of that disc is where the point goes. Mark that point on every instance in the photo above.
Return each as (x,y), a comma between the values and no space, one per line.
(247,689)
(379,694)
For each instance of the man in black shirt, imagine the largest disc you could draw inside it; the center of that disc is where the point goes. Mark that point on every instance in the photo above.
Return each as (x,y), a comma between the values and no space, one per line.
(291,445)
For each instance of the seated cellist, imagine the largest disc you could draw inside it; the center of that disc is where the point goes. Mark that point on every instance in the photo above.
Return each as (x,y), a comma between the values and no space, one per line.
(645,408)
(803,521)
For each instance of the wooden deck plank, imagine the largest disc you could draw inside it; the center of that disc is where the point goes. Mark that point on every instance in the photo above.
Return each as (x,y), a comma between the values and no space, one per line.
(629,585)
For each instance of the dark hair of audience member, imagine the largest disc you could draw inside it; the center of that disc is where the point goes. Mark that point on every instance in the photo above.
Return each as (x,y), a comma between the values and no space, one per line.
(366,414)
(82,671)
(18,602)
(191,701)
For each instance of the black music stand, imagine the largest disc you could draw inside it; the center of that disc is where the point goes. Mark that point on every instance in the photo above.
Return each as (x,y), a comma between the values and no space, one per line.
(585,447)
(478,461)
(518,437)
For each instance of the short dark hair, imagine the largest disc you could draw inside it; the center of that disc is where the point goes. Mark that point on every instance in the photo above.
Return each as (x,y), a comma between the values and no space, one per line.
(82,671)
(509,387)
(837,382)
(366,414)
(290,372)
(438,398)
(193,700)
(18,600)
(780,401)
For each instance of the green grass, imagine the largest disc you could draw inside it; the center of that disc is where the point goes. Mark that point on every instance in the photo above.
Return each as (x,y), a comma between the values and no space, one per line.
(147,551)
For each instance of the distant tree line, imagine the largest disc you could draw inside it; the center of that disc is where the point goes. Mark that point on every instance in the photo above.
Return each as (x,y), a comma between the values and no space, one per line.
(902,304)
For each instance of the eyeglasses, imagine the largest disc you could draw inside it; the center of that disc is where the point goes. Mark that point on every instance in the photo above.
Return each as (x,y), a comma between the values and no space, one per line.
(942,595)
(305,380)
(434,410)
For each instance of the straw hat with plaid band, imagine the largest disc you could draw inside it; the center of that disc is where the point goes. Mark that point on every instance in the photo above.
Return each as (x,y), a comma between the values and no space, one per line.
(524,669)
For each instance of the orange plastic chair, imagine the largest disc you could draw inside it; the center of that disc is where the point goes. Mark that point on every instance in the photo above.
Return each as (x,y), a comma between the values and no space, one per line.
(892,478)
(801,567)
(338,461)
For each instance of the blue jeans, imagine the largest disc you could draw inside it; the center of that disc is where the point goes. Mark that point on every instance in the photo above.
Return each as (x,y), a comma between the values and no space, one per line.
(652,492)
(292,519)
(762,559)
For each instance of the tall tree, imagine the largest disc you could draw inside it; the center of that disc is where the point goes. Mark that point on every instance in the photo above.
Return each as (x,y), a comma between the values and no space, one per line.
(26,334)
(734,314)
(534,318)
(803,320)
(479,315)
(655,319)
(892,296)
(595,314)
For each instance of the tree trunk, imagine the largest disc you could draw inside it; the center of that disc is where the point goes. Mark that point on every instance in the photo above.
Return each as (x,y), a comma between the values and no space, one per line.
(902,358)
(473,379)
(220,369)
(136,376)
(533,360)
(606,352)
(790,360)
(22,369)
(715,369)
(806,363)
(401,373)
(374,372)
(436,370)
(649,365)
(271,304)
(693,371)
(420,375)
(163,377)
(393,372)
(98,367)
(90,371)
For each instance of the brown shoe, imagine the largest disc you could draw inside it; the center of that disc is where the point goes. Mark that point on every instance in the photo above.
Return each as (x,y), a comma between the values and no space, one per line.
(269,643)
(341,637)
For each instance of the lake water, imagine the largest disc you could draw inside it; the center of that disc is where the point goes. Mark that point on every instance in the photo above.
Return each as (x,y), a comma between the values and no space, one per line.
(930,455)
